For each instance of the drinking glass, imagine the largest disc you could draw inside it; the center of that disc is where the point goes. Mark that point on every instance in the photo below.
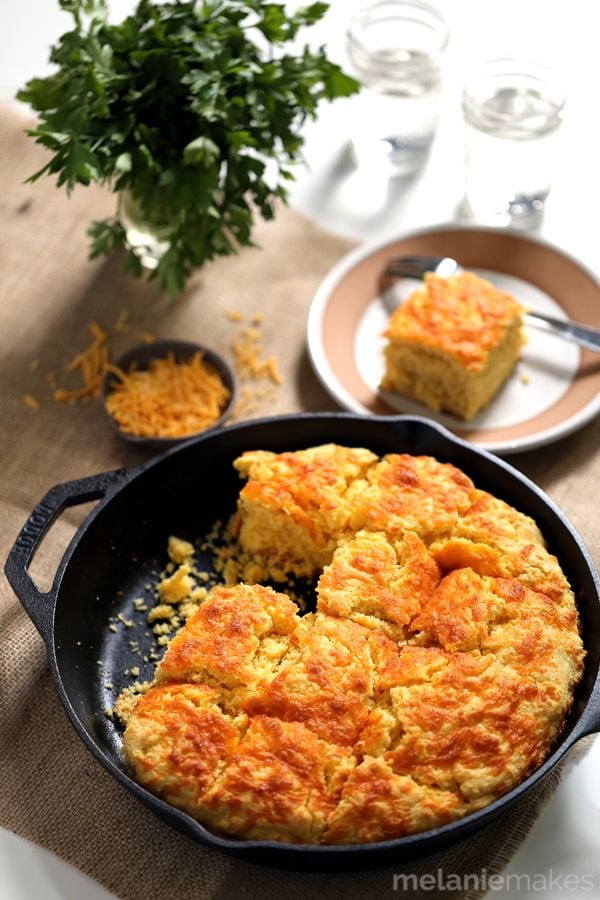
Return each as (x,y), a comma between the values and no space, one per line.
(512,115)
(396,48)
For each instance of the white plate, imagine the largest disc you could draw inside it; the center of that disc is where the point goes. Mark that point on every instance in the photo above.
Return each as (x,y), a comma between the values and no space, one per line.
(554,390)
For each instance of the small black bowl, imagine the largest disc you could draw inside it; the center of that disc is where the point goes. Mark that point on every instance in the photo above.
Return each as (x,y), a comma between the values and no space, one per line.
(141,356)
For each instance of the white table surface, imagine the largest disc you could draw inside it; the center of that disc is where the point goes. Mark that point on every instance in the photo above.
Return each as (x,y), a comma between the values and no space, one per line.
(565,841)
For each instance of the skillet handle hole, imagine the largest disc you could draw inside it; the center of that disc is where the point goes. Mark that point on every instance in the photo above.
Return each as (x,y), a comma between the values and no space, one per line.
(48,554)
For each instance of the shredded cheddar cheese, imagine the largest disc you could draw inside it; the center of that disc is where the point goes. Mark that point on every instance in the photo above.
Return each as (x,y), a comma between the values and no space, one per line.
(122,323)
(170,399)
(89,366)
(31,402)
(90,363)
(251,366)
(247,352)
(146,337)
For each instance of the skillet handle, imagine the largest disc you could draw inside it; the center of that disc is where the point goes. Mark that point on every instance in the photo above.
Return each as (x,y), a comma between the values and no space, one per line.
(40,605)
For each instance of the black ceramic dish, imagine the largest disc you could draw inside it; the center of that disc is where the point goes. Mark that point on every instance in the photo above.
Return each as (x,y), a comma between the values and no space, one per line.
(123,539)
(142,355)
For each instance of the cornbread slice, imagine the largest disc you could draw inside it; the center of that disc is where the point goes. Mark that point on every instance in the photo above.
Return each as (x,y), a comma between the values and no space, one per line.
(412,493)
(175,741)
(326,680)
(235,638)
(378,805)
(294,508)
(453,343)
(378,584)
(493,538)
(282,784)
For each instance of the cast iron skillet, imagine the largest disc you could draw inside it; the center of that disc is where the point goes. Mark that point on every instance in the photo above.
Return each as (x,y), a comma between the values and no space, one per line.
(122,542)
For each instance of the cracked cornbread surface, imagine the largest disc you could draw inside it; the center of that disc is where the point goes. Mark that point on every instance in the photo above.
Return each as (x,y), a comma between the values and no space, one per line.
(453,343)
(433,677)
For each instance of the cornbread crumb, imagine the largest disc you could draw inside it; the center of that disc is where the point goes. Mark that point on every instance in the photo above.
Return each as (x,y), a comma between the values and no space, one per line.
(178,586)
(187,609)
(252,367)
(162,611)
(179,550)
(250,364)
(128,699)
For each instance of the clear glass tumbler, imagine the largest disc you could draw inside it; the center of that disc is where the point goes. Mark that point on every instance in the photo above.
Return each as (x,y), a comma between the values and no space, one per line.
(396,48)
(512,114)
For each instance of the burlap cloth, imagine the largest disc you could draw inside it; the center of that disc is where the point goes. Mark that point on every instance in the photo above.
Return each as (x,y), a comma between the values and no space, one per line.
(51,790)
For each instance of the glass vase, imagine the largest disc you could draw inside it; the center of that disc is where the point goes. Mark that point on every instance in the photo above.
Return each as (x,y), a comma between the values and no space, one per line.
(149,240)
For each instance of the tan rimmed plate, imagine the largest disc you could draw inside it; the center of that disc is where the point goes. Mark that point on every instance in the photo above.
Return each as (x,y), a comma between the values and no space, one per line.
(556,386)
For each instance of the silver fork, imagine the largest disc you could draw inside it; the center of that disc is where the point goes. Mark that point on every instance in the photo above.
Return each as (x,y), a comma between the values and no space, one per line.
(445,266)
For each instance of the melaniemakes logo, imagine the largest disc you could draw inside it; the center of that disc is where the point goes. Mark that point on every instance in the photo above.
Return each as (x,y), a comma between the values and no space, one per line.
(543,882)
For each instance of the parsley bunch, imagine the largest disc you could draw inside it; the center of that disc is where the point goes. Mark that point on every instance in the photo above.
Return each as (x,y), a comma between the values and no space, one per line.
(193,108)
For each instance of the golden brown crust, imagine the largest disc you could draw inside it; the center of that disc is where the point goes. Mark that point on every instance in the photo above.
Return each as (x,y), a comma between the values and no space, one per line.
(378,805)
(434,676)
(176,741)
(294,508)
(475,728)
(222,640)
(325,681)
(415,493)
(453,343)
(377,583)
(282,784)
(464,316)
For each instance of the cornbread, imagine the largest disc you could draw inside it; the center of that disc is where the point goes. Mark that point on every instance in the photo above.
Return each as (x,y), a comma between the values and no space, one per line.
(297,507)
(453,343)
(433,677)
